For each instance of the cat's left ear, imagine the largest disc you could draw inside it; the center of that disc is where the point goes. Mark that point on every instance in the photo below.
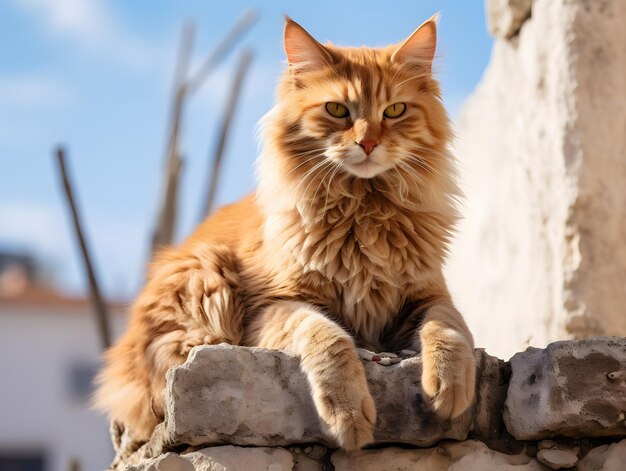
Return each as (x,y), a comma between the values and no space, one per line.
(419,48)
(303,52)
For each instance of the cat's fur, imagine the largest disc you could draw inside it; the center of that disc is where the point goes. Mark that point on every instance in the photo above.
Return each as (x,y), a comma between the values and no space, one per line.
(336,248)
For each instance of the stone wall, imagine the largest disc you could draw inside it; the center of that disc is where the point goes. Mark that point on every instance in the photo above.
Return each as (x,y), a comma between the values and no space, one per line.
(238,408)
(540,255)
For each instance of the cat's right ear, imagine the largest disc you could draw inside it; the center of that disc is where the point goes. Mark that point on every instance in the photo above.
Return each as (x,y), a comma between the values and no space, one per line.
(303,52)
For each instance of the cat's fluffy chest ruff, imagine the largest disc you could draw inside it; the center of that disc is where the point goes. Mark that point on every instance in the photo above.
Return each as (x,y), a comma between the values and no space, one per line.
(360,258)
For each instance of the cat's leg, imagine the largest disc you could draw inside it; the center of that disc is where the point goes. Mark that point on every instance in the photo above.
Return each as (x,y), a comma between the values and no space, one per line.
(448,362)
(330,361)
(191,299)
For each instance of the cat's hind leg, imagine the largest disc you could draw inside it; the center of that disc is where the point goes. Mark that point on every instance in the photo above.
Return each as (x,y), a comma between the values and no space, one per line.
(330,361)
(191,299)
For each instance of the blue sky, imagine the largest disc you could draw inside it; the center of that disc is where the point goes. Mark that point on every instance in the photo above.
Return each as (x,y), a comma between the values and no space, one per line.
(96,75)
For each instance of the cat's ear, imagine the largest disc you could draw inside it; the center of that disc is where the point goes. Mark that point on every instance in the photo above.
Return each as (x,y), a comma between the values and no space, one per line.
(303,52)
(419,48)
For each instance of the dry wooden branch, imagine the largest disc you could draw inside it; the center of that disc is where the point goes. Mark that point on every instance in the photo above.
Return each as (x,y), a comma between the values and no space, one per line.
(100,308)
(166,221)
(243,24)
(231,105)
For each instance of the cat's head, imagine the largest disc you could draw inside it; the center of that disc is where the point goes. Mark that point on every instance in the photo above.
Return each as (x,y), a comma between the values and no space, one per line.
(358,113)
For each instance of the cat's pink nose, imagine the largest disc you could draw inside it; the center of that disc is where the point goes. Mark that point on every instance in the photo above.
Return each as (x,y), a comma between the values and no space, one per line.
(368,145)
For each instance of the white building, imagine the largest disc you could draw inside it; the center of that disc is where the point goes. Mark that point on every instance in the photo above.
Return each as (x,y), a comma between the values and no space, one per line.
(49,349)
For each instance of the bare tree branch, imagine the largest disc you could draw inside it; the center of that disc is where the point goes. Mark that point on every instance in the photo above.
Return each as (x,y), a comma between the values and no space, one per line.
(100,307)
(166,221)
(231,105)
(243,24)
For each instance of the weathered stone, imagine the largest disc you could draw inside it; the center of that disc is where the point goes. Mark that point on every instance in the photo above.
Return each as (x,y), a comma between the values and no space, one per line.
(557,459)
(302,462)
(542,144)
(605,458)
(466,456)
(470,455)
(242,396)
(253,396)
(572,389)
(491,392)
(505,17)
(222,458)
(166,462)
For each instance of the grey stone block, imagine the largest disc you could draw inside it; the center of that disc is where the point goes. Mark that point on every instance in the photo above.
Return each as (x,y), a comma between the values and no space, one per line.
(573,389)
(220,458)
(252,396)
(505,17)
(470,455)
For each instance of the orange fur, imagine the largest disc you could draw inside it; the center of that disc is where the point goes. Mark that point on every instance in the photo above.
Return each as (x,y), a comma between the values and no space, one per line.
(338,248)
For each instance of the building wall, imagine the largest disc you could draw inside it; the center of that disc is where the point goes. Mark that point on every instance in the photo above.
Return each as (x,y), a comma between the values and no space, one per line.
(40,410)
(541,253)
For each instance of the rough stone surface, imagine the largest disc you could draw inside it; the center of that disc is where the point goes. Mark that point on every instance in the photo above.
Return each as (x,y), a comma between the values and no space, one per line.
(223,458)
(505,17)
(541,143)
(253,396)
(466,456)
(570,392)
(572,389)
(491,394)
(605,458)
(558,459)
(469,455)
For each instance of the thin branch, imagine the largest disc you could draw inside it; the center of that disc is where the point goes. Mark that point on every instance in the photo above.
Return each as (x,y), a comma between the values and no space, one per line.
(100,307)
(242,68)
(166,222)
(243,24)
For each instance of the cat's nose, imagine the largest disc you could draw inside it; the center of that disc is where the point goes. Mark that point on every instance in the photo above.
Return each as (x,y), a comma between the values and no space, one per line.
(368,145)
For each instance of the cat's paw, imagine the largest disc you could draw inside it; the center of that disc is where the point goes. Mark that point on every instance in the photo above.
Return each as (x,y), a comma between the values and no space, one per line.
(350,416)
(448,372)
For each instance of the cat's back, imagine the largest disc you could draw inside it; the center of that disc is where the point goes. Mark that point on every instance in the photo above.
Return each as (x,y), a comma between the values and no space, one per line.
(237,226)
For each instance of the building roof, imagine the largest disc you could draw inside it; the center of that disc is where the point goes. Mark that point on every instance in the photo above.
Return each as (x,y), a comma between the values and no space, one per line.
(50,298)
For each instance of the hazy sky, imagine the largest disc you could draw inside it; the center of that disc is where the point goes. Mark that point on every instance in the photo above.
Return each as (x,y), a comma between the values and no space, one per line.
(96,75)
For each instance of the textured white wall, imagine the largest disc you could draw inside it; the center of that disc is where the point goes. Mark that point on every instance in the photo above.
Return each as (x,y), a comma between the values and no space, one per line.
(541,254)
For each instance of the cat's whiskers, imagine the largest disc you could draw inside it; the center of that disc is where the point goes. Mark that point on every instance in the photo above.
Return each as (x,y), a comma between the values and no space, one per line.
(319,150)
(332,69)
(411,172)
(422,163)
(399,68)
(333,171)
(338,167)
(332,167)
(307,160)
(313,173)
(402,183)
(398,85)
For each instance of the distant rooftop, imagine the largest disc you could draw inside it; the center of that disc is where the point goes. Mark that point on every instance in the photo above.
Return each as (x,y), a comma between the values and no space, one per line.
(20,285)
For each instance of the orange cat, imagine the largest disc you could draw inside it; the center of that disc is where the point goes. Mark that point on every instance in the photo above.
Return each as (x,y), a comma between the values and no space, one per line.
(342,245)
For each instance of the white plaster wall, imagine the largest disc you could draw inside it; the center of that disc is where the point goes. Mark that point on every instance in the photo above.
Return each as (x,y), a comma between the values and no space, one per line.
(541,253)
(38,345)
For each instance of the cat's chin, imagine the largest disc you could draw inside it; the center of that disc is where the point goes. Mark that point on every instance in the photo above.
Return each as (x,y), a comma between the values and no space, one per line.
(365,169)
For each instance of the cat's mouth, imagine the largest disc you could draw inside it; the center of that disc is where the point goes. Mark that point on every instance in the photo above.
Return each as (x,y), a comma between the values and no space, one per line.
(365,167)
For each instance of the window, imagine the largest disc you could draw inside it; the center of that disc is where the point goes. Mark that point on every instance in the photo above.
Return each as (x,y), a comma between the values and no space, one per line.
(22,461)
(81,378)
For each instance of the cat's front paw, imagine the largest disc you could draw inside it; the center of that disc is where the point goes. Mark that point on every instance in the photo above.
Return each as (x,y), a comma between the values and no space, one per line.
(448,372)
(350,415)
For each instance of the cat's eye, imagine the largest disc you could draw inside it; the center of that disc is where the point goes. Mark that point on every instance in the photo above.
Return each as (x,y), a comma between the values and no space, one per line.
(337,110)
(394,111)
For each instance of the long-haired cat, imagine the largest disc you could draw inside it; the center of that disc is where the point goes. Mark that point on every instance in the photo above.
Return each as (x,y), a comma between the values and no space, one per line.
(341,246)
